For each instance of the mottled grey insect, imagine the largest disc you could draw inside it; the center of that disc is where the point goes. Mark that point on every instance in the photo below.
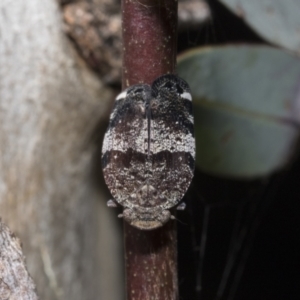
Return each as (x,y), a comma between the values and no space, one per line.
(148,154)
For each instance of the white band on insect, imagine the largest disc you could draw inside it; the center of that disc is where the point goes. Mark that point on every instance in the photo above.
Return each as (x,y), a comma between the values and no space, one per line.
(122,96)
(186,95)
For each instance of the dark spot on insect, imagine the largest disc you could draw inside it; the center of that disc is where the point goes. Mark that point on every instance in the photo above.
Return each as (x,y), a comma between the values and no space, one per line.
(179,89)
(138,91)
(191,162)
(168,85)
(148,172)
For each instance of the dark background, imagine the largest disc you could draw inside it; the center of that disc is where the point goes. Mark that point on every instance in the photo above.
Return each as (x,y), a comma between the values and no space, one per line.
(238,240)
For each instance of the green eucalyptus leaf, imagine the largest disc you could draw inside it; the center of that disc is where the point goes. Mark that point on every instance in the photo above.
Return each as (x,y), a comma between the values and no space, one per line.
(246,106)
(277,21)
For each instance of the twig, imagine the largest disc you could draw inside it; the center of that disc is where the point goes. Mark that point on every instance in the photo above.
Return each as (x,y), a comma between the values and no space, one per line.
(149,50)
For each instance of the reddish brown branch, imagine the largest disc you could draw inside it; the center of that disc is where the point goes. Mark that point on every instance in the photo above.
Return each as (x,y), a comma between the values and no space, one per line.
(151,263)
(149,39)
(149,50)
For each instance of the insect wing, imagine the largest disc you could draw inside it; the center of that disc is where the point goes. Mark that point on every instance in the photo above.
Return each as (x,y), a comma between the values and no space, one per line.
(125,143)
(172,139)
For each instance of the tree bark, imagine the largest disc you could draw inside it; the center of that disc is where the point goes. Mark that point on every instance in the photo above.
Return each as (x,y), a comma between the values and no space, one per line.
(15,282)
(51,190)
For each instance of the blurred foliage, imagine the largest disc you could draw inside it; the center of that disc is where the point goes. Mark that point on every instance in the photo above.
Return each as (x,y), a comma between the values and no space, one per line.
(246,107)
(276,21)
(239,240)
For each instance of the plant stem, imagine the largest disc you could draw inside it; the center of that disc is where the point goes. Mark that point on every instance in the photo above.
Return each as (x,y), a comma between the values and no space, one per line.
(149,50)
(151,263)
(149,39)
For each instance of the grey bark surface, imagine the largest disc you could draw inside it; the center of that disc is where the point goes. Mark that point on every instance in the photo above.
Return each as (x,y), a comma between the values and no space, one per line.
(51,192)
(15,282)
